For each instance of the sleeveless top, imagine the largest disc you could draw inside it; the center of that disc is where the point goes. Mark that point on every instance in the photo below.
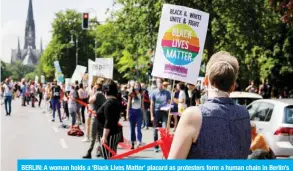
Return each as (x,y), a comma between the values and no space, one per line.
(225,131)
(136,102)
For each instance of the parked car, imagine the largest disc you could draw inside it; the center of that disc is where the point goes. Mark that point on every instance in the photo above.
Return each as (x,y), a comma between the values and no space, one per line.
(274,119)
(244,98)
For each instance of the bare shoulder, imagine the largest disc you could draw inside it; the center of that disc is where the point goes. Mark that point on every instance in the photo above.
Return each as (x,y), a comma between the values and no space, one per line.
(192,114)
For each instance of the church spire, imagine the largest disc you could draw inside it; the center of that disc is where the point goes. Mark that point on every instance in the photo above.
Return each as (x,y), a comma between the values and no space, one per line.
(41,45)
(30,36)
(30,13)
(18,50)
(18,45)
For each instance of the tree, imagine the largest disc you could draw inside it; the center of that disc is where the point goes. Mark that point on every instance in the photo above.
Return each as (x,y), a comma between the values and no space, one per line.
(5,72)
(60,47)
(285,8)
(249,30)
(16,70)
(30,76)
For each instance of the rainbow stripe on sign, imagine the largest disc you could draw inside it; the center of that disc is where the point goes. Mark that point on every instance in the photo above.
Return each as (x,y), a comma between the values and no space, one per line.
(180,44)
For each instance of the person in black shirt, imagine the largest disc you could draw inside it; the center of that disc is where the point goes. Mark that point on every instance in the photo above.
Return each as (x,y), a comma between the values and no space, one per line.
(124,101)
(78,105)
(194,96)
(56,101)
(108,117)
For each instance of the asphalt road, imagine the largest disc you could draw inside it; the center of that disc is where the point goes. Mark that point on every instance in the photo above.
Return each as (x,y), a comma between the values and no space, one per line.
(29,134)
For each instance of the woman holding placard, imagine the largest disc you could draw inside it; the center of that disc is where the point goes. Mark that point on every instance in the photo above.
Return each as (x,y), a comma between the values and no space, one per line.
(218,129)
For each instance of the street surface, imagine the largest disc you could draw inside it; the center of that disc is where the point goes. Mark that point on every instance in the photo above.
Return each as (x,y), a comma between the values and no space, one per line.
(29,134)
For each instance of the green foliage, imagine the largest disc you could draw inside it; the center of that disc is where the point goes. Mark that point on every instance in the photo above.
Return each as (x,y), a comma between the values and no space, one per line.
(62,50)
(249,30)
(30,76)
(5,73)
(16,70)
(284,7)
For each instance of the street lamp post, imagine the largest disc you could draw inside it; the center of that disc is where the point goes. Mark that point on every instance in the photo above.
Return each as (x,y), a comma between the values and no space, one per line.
(95,49)
(76,44)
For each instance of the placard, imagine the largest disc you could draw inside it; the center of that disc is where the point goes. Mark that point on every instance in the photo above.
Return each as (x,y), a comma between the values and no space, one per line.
(60,79)
(180,43)
(67,84)
(43,79)
(90,71)
(57,67)
(78,73)
(103,67)
(36,79)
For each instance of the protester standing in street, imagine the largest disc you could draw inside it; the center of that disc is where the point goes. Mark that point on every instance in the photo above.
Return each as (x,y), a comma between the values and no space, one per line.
(124,98)
(23,92)
(218,129)
(7,93)
(55,100)
(181,98)
(194,95)
(72,104)
(251,88)
(27,93)
(40,92)
(146,103)
(91,109)
(65,100)
(159,98)
(134,114)
(109,131)
(83,97)
(78,105)
(48,96)
(32,93)
(97,100)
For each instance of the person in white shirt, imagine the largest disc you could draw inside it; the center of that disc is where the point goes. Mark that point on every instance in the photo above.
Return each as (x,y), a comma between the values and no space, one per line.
(182,98)
(134,114)
(7,93)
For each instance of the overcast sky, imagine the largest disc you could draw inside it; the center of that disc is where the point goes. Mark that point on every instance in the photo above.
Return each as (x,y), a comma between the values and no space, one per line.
(14,13)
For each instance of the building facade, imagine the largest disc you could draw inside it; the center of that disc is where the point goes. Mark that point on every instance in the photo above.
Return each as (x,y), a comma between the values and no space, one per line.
(29,55)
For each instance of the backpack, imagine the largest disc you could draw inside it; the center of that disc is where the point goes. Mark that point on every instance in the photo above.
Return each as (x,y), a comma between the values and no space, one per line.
(75,131)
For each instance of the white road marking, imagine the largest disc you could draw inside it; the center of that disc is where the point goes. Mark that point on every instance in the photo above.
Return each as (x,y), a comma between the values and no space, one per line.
(63,143)
(55,129)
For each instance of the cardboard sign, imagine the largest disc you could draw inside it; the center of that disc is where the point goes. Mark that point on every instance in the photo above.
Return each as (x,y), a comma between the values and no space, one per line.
(43,79)
(57,67)
(103,67)
(67,84)
(78,74)
(180,44)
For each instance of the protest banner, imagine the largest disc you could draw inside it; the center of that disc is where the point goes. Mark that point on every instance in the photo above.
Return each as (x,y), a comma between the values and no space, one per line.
(60,79)
(43,79)
(57,67)
(180,44)
(104,67)
(85,79)
(90,71)
(78,74)
(67,84)
(36,79)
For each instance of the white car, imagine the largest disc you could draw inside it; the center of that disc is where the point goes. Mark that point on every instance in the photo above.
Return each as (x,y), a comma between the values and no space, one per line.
(274,120)
(244,98)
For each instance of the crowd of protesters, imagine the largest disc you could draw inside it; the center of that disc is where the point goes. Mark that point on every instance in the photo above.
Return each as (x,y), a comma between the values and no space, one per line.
(208,135)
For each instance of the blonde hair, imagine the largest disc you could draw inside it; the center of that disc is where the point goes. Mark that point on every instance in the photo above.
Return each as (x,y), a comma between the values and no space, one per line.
(222,70)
